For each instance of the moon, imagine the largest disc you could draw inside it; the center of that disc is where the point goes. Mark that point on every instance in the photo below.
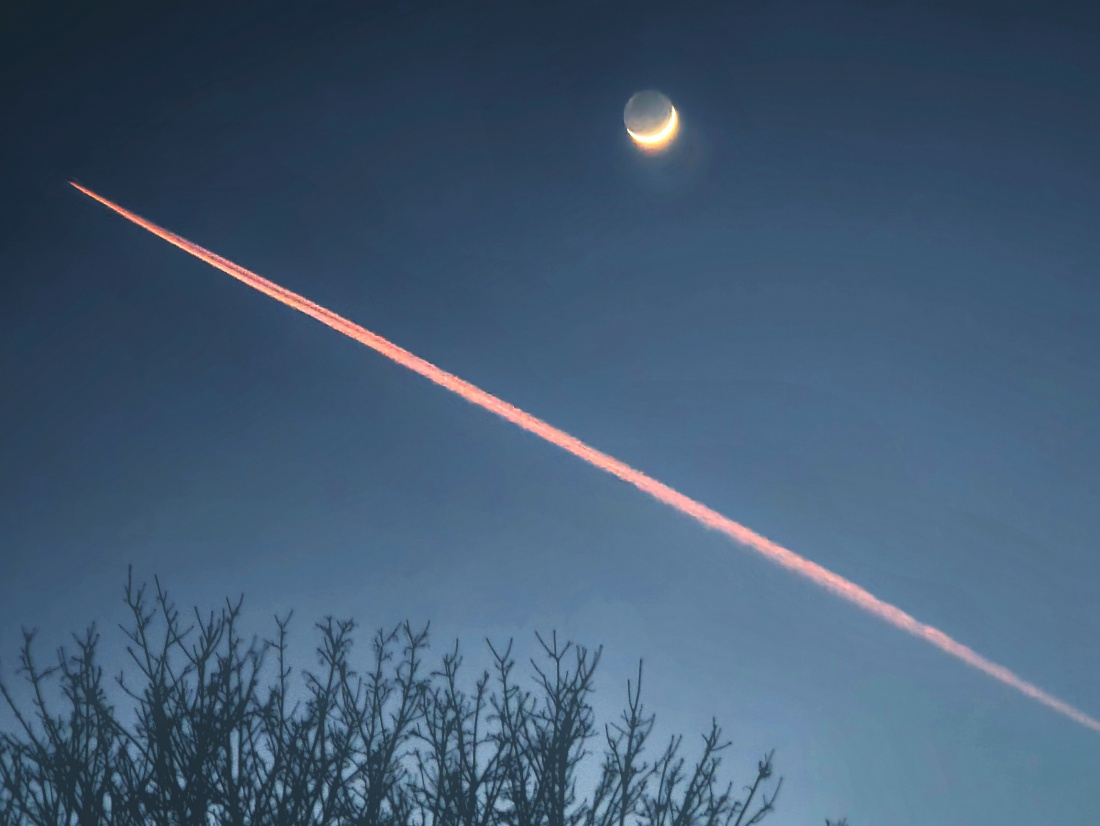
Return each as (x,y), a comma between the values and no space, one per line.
(651,120)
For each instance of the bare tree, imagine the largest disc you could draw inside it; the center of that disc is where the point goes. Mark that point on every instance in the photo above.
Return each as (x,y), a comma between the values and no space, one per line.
(395,745)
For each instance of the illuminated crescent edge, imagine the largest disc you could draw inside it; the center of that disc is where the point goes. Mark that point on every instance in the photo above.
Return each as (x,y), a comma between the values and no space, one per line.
(661,136)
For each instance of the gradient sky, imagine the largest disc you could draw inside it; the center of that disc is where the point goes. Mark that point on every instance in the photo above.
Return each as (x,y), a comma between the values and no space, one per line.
(855,309)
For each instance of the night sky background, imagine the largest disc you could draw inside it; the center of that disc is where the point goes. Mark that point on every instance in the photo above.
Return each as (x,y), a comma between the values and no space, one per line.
(856,308)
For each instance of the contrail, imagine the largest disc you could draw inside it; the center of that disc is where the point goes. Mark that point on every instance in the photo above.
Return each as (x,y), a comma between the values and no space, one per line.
(661,492)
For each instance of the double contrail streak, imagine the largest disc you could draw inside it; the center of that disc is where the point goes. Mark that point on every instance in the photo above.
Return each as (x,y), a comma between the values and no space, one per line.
(661,492)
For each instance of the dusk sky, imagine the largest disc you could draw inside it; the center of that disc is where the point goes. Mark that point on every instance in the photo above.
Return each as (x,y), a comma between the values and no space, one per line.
(855,306)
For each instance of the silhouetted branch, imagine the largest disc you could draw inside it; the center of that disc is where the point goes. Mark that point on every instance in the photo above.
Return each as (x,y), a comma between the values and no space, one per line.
(393,746)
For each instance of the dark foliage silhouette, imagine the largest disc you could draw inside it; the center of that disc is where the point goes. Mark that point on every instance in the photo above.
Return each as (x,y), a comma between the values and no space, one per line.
(395,745)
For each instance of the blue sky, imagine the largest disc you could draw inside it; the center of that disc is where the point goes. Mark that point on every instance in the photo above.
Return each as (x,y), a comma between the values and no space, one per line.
(855,308)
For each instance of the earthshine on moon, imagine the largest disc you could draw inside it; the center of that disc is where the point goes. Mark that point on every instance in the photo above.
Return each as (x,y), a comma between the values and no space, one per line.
(651,120)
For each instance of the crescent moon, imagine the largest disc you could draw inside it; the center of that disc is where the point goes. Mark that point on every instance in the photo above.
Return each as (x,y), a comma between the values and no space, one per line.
(655,140)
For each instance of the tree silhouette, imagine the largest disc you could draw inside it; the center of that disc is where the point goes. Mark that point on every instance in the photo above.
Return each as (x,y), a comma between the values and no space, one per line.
(395,745)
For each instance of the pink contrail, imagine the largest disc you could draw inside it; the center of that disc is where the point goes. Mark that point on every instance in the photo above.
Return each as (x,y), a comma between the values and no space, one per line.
(661,492)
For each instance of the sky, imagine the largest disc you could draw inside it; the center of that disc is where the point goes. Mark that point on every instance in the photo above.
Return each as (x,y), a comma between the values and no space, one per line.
(855,307)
